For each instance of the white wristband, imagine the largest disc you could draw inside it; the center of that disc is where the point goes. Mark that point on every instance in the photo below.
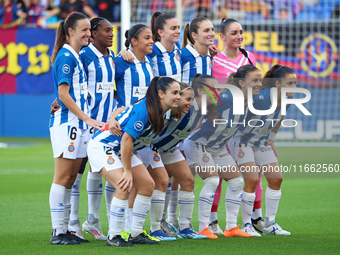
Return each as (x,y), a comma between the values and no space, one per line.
(272,136)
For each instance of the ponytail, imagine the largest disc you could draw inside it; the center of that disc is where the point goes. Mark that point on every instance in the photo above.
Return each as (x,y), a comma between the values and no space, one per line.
(153,103)
(186,36)
(62,35)
(276,73)
(133,33)
(60,40)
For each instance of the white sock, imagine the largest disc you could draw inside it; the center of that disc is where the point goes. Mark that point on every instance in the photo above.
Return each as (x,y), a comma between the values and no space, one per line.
(167,199)
(205,200)
(128,218)
(186,200)
(257,213)
(232,201)
(172,209)
(247,203)
(140,211)
(75,196)
(57,196)
(156,209)
(213,216)
(109,191)
(67,203)
(272,204)
(94,188)
(118,208)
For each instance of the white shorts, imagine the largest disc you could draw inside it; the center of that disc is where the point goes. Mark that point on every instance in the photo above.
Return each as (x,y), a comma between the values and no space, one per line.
(150,158)
(101,156)
(172,156)
(200,155)
(246,153)
(69,141)
(180,145)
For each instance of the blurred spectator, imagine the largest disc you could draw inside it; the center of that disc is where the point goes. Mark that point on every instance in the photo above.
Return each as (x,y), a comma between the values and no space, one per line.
(109,9)
(11,14)
(34,10)
(68,6)
(336,12)
(283,9)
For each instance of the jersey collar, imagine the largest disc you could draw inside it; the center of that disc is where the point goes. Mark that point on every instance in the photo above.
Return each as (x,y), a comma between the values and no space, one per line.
(136,61)
(97,52)
(194,52)
(66,46)
(162,49)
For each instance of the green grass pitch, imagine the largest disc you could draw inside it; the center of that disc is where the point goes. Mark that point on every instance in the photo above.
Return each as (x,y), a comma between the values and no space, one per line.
(309,209)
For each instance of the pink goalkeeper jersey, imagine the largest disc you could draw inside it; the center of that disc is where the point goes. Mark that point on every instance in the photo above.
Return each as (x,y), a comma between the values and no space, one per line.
(223,66)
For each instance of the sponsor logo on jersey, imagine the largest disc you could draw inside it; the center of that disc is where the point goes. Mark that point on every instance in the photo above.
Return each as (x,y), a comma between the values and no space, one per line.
(66,68)
(139,125)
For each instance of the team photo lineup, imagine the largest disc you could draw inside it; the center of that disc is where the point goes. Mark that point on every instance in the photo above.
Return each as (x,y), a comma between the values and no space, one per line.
(149,121)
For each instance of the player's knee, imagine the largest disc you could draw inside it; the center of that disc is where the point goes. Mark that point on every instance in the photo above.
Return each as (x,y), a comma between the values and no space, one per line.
(147,188)
(235,184)
(251,183)
(275,183)
(121,194)
(187,183)
(162,184)
(212,182)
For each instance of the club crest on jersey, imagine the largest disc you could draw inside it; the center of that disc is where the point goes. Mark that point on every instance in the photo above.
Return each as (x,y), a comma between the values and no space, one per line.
(241,153)
(113,64)
(205,158)
(139,125)
(110,160)
(71,147)
(156,157)
(66,68)
(178,58)
(210,65)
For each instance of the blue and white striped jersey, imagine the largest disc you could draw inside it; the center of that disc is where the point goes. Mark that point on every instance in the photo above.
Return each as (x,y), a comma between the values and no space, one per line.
(132,79)
(134,121)
(166,63)
(177,131)
(193,63)
(257,133)
(69,69)
(218,136)
(100,72)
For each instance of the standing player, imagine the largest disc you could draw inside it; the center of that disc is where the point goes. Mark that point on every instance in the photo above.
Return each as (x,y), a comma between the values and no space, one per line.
(68,125)
(253,149)
(98,63)
(195,56)
(115,159)
(226,62)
